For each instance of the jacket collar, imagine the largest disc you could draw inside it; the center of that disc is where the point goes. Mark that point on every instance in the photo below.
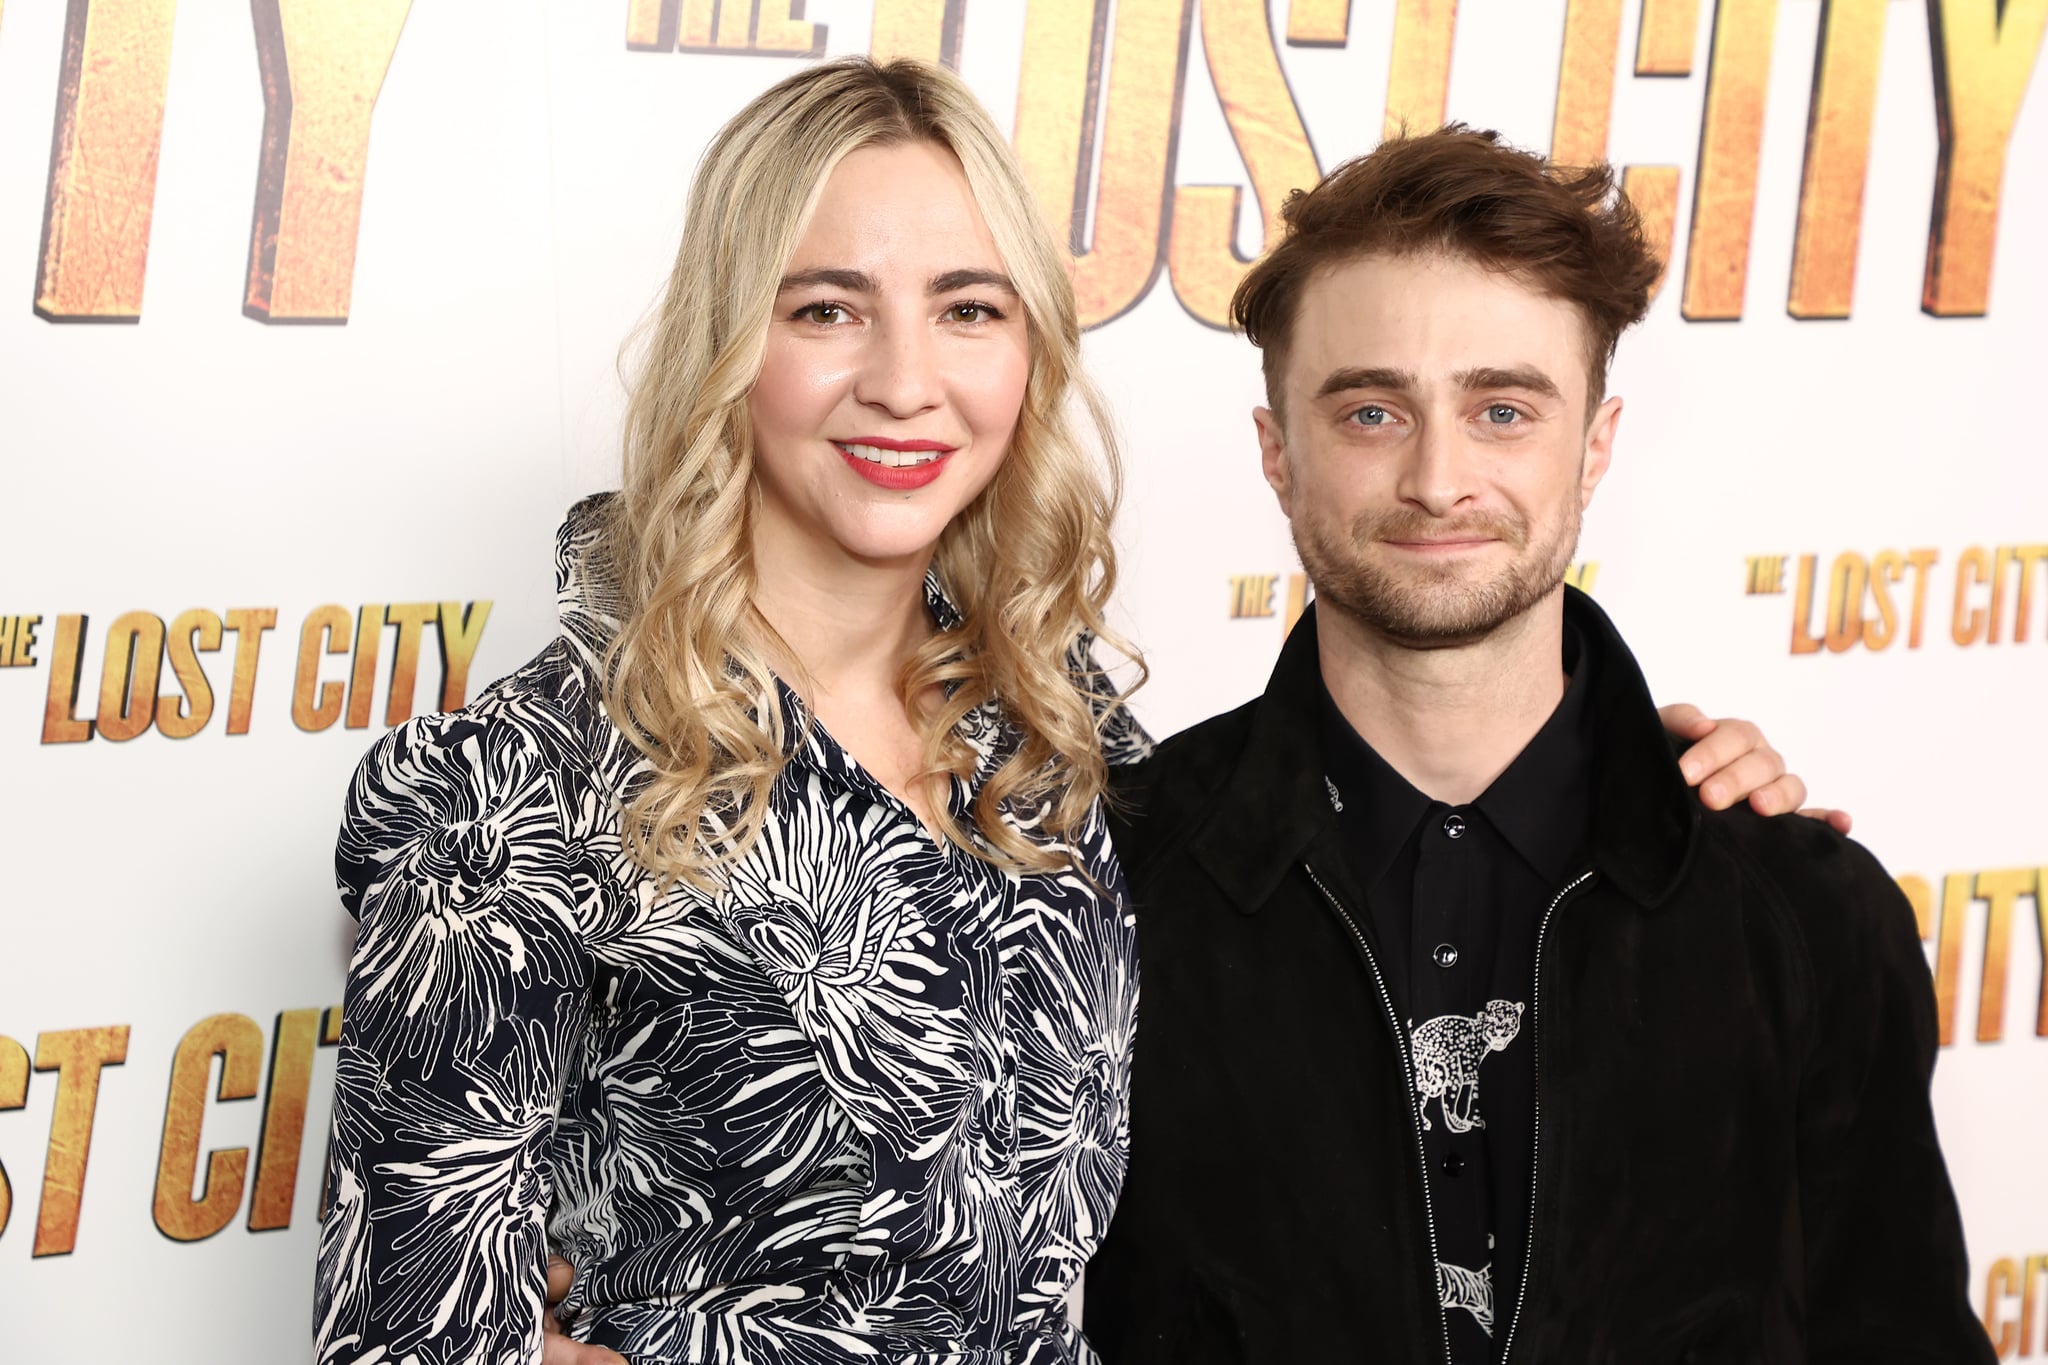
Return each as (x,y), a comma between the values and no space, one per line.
(1274,807)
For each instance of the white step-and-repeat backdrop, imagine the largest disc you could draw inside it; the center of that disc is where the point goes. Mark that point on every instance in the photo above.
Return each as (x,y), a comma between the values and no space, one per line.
(313,332)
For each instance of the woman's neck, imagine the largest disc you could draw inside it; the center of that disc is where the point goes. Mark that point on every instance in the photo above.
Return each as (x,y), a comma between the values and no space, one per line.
(850,624)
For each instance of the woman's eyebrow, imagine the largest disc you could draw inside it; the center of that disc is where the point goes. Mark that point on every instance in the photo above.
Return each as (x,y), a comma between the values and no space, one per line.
(854,281)
(964,279)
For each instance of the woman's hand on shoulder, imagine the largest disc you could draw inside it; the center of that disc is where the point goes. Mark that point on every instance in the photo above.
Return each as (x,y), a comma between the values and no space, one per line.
(1730,760)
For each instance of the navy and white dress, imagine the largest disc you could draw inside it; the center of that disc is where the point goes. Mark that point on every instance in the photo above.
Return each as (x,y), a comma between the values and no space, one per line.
(867,1101)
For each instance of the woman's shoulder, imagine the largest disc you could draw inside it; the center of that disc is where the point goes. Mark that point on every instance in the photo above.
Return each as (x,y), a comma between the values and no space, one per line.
(1124,741)
(515,760)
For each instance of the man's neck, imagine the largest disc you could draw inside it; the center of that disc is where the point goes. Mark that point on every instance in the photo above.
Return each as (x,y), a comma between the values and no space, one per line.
(1449,720)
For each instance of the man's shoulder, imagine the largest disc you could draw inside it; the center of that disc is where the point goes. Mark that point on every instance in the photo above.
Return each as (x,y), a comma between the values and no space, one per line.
(1156,799)
(1832,891)
(1200,756)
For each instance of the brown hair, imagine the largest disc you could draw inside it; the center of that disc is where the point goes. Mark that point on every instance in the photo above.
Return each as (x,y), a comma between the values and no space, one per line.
(1565,230)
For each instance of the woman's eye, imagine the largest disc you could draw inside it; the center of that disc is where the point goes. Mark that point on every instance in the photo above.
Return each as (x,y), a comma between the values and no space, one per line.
(828,314)
(972,312)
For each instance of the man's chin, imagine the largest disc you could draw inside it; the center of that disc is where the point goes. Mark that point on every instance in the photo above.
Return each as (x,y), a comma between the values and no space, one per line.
(1436,615)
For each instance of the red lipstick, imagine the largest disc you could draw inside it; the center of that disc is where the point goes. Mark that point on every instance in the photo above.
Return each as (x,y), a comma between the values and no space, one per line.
(897,478)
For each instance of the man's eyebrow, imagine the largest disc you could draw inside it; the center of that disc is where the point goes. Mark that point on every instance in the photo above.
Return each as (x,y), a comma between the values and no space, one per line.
(967,279)
(853,281)
(1515,377)
(1341,381)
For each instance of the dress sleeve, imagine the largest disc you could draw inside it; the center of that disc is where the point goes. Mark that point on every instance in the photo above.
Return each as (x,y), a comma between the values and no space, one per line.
(1124,741)
(464,999)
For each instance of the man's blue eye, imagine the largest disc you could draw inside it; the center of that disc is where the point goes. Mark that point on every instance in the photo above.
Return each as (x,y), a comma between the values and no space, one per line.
(1370,417)
(1500,414)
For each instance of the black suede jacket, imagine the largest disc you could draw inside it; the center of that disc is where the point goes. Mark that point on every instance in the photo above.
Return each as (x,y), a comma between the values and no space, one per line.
(1734,1028)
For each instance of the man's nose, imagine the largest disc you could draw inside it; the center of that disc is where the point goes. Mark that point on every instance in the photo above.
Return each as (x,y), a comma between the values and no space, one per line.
(899,371)
(1437,475)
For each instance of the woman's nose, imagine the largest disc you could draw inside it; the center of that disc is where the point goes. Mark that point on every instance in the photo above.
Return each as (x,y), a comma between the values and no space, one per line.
(899,372)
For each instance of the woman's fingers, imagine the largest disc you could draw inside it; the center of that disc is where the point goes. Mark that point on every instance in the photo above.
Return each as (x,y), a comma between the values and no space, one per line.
(1839,820)
(1685,720)
(1732,759)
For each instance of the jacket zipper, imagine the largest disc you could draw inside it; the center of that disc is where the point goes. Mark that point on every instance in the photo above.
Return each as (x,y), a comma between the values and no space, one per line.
(1408,1097)
(1536,1090)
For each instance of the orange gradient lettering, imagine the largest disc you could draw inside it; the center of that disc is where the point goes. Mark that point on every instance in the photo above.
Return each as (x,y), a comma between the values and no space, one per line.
(181,715)
(462,629)
(2028,557)
(1969,624)
(322,64)
(1318,23)
(128,677)
(2041,925)
(248,623)
(2000,891)
(767,27)
(2000,1285)
(78,1056)
(1202,255)
(238,1042)
(928,30)
(1838,125)
(1419,78)
(362,679)
(1056,134)
(13,1095)
(412,620)
(1665,42)
(102,194)
(1984,53)
(1724,190)
(1948,951)
(316,704)
(1585,82)
(1585,108)
(61,724)
(299,1032)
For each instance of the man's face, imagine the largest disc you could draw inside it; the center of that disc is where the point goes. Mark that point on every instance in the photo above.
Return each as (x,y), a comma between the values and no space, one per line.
(1436,451)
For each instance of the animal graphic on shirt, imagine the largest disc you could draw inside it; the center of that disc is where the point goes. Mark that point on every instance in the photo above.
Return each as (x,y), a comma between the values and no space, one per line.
(1448,1050)
(1471,1290)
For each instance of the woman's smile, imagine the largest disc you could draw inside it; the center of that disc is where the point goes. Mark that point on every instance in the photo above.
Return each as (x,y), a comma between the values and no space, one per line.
(895,464)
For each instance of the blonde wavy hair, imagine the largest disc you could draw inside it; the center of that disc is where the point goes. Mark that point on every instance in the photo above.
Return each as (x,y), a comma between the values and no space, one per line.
(1029,563)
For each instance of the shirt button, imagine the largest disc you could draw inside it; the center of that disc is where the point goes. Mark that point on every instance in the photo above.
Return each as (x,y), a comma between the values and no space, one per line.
(1446,955)
(1454,826)
(1454,1163)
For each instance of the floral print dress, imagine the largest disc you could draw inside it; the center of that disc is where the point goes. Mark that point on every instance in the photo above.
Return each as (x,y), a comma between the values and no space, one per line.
(867,1101)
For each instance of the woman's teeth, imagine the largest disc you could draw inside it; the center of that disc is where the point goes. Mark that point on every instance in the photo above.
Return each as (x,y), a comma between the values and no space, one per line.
(891,459)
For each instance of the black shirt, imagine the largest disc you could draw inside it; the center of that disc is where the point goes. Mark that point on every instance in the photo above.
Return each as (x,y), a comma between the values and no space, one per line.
(1454,899)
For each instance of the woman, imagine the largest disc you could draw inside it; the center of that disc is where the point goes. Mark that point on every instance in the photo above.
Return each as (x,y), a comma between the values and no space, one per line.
(764,927)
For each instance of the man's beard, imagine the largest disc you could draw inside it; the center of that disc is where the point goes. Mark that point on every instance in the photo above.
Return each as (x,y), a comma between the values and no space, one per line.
(1432,606)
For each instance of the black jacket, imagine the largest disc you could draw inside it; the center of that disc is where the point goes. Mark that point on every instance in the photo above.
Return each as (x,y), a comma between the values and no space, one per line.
(1734,1029)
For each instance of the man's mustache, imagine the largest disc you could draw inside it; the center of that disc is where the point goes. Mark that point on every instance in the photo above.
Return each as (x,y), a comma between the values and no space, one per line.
(1414,525)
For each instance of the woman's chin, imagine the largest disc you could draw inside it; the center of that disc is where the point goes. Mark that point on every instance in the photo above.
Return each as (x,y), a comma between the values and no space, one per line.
(893,539)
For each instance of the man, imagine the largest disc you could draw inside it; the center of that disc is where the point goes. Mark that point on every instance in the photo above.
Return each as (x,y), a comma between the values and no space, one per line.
(1467,1035)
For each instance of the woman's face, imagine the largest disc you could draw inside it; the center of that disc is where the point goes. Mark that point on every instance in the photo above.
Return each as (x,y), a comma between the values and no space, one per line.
(896,363)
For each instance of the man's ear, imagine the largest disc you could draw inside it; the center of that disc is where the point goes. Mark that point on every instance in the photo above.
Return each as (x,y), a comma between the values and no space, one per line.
(1599,449)
(1273,453)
